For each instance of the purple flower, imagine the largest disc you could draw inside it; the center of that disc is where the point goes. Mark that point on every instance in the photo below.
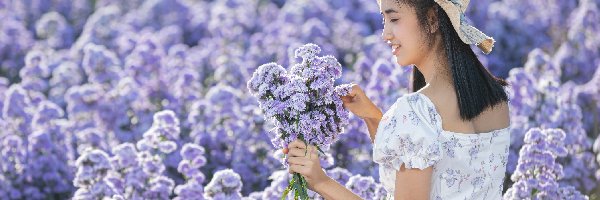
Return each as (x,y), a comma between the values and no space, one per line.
(92,167)
(125,156)
(307,52)
(101,64)
(364,187)
(340,175)
(160,136)
(190,151)
(302,93)
(537,172)
(54,29)
(46,113)
(264,78)
(226,184)
(160,188)
(192,159)
(192,190)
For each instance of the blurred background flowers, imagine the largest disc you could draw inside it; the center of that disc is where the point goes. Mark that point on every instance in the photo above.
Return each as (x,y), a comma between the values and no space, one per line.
(133,99)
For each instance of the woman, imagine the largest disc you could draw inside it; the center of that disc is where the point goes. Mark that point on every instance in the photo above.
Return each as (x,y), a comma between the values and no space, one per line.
(448,139)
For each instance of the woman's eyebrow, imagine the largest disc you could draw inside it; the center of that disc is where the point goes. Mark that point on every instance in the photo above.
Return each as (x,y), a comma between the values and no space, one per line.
(391,10)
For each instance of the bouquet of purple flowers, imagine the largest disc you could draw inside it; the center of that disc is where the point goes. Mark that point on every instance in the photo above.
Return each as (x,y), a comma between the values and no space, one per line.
(302,103)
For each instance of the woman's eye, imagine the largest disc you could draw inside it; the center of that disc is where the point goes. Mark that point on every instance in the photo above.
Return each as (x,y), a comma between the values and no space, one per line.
(391,20)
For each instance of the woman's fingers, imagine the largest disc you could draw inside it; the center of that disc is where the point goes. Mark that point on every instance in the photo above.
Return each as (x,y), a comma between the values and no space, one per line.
(297,152)
(295,164)
(299,164)
(350,96)
(297,169)
(297,144)
(311,152)
(299,161)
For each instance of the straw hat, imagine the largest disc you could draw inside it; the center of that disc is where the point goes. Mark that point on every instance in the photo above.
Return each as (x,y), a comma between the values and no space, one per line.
(455,9)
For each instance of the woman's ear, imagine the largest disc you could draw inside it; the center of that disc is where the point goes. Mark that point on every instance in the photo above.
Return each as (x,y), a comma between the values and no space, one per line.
(432,20)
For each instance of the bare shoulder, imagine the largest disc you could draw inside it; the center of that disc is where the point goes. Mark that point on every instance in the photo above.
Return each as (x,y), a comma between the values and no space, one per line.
(446,103)
(494,117)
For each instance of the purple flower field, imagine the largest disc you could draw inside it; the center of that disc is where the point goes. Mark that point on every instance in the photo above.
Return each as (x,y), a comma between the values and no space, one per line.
(148,99)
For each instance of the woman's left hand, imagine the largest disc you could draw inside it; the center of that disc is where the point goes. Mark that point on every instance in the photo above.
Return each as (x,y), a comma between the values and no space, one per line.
(305,161)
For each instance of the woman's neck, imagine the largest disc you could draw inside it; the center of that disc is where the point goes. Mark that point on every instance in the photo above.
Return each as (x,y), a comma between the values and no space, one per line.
(436,71)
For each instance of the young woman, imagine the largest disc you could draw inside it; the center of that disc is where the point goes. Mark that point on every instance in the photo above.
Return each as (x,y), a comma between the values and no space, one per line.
(448,139)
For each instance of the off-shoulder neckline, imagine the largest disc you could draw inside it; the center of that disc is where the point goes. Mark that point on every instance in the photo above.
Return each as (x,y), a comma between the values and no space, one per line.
(460,134)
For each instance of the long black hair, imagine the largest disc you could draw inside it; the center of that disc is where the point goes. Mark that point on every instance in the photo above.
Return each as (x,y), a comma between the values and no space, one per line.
(476,88)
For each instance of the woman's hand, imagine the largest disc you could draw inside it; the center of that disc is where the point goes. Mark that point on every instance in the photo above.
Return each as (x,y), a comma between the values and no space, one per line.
(305,161)
(309,166)
(360,105)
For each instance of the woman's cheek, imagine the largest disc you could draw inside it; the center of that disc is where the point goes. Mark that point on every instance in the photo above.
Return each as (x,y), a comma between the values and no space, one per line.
(405,55)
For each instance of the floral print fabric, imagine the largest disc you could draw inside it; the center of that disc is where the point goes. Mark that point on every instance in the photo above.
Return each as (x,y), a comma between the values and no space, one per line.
(465,166)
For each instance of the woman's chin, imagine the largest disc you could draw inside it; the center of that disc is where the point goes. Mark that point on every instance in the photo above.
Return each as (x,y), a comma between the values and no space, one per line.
(400,61)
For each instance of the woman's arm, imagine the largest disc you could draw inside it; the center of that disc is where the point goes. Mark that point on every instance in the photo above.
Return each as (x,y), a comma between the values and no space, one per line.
(360,105)
(307,163)
(332,190)
(413,183)
(372,124)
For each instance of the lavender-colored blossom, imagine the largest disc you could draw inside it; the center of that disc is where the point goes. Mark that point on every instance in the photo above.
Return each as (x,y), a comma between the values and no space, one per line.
(299,90)
(192,159)
(80,76)
(307,52)
(537,172)
(340,175)
(265,78)
(92,167)
(64,76)
(279,181)
(161,187)
(100,64)
(55,30)
(15,41)
(192,190)
(364,187)
(164,129)
(226,184)
(125,156)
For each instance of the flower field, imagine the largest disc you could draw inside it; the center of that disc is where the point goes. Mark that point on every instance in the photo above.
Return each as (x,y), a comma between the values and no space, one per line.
(149,99)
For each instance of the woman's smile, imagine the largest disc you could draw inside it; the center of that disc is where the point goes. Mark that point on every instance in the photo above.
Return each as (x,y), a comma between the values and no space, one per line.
(395,49)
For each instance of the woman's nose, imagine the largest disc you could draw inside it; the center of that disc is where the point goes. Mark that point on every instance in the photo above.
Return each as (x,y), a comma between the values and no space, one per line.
(386,35)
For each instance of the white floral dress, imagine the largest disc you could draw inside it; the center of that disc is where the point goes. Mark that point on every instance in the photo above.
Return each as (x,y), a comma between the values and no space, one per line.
(465,166)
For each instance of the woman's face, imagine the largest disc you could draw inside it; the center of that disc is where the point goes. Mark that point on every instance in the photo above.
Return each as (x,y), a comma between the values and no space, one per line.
(402,32)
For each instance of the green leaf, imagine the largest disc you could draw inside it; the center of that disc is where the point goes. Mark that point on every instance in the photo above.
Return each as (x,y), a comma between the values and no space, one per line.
(301,187)
(305,187)
(318,148)
(297,184)
(288,188)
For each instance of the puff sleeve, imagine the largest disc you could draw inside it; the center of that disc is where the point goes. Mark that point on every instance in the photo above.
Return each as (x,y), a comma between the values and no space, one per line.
(409,133)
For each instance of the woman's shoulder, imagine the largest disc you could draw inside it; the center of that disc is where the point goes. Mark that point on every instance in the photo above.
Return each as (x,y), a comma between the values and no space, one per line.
(415,100)
(493,118)
(416,109)
(409,136)
(445,105)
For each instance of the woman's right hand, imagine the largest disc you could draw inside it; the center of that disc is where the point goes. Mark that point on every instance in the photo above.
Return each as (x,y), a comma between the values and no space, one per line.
(360,105)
